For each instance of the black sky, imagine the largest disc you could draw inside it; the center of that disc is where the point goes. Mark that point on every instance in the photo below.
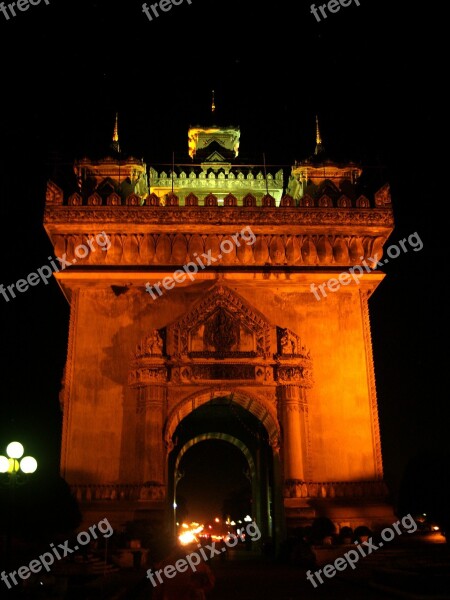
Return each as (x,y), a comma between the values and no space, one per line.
(373,75)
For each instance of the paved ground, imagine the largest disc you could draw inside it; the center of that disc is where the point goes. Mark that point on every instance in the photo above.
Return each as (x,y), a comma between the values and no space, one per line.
(411,568)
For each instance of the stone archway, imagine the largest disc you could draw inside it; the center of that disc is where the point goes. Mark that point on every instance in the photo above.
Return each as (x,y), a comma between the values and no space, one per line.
(251,438)
(223,346)
(247,400)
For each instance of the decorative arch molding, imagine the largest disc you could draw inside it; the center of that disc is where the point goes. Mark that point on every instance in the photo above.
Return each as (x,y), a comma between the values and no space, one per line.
(250,402)
(218,436)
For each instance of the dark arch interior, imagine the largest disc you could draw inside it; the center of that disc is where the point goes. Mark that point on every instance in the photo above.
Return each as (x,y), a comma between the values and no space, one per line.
(214,482)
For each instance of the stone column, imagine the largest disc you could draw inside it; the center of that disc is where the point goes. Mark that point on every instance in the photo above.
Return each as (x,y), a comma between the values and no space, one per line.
(290,396)
(294,377)
(149,375)
(153,405)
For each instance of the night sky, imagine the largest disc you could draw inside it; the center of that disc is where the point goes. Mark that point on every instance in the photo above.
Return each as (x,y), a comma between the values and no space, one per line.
(369,72)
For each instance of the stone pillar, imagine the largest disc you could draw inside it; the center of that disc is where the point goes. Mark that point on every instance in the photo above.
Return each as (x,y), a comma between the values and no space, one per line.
(152,410)
(290,396)
(294,376)
(149,375)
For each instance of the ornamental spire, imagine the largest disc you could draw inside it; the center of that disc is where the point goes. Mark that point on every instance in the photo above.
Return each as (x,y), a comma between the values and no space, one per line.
(115,139)
(319,145)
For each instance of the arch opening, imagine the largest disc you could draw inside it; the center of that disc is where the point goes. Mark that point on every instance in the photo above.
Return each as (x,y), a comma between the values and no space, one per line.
(221,468)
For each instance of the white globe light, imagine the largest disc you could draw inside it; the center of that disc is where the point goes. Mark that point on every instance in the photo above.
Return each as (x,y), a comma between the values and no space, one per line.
(15,450)
(28,464)
(4,464)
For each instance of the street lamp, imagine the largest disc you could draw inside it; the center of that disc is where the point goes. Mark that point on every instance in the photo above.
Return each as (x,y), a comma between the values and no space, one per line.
(15,467)
(10,464)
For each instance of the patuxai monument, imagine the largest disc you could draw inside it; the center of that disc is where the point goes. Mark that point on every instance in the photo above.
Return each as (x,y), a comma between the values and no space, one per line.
(208,284)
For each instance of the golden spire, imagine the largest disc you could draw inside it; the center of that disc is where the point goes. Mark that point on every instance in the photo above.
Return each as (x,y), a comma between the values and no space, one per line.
(319,145)
(115,138)
(213,105)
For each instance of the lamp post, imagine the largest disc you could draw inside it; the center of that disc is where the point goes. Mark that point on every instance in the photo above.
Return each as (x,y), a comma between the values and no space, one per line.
(14,467)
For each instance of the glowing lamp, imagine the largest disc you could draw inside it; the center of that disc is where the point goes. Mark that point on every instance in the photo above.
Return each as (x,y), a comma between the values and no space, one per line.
(187,538)
(28,464)
(15,450)
(4,464)
(13,465)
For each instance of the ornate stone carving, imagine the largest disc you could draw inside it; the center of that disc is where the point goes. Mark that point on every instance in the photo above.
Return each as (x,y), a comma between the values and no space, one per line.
(148,364)
(383,196)
(230,200)
(222,332)
(94,199)
(363,202)
(294,364)
(134,200)
(233,310)
(54,194)
(147,376)
(287,200)
(151,491)
(152,200)
(299,375)
(113,200)
(268,200)
(344,202)
(296,488)
(288,342)
(285,219)
(224,372)
(75,200)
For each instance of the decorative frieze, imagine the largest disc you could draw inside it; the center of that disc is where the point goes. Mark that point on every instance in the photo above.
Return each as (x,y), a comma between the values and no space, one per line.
(295,488)
(181,248)
(300,374)
(119,492)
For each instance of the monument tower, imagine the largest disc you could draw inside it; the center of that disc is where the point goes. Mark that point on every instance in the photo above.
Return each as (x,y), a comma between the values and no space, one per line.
(255,331)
